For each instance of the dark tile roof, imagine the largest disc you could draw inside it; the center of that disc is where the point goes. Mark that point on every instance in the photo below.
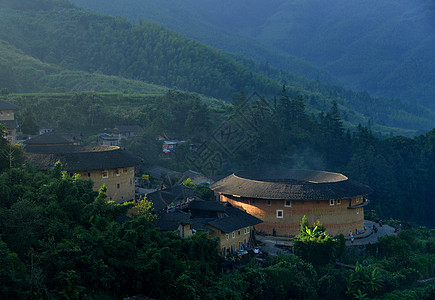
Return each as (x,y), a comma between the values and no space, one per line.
(53,138)
(201,224)
(9,123)
(195,177)
(228,218)
(235,220)
(171,221)
(81,158)
(290,185)
(163,198)
(4,105)
(163,173)
(213,206)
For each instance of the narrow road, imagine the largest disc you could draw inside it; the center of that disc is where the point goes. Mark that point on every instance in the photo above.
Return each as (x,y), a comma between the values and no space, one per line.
(277,245)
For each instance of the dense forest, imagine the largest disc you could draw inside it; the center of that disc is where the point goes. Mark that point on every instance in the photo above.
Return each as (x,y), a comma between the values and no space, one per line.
(384,47)
(252,133)
(62,240)
(55,46)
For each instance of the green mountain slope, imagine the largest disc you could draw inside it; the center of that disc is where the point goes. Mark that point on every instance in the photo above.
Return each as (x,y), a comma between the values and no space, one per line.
(70,41)
(181,16)
(22,73)
(81,40)
(384,47)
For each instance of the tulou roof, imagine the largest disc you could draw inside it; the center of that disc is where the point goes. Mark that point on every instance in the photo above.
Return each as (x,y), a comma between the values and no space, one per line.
(290,185)
(4,105)
(53,138)
(81,158)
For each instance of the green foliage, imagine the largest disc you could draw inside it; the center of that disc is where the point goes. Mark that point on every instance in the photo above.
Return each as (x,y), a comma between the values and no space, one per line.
(28,124)
(188,183)
(314,245)
(145,209)
(67,237)
(290,277)
(204,191)
(363,282)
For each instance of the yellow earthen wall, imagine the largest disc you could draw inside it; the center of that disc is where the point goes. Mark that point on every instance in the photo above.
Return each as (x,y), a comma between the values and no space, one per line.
(125,179)
(337,218)
(243,238)
(6,115)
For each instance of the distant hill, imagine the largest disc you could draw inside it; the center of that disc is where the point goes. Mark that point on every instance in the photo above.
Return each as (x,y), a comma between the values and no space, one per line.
(52,45)
(384,47)
(22,73)
(81,40)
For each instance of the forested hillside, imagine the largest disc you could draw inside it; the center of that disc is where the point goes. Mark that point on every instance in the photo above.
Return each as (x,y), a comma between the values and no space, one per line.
(384,47)
(69,41)
(60,239)
(22,73)
(78,39)
(252,135)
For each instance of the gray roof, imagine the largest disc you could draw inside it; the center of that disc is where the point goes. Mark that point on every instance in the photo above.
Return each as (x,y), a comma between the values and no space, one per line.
(227,218)
(162,198)
(195,177)
(9,123)
(52,138)
(4,105)
(236,219)
(171,221)
(290,185)
(81,158)
(163,173)
(213,206)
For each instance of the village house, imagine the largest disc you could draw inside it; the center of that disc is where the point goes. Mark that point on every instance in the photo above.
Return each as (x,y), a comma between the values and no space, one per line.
(113,136)
(171,199)
(233,227)
(195,177)
(175,222)
(280,198)
(45,129)
(170,146)
(7,118)
(104,165)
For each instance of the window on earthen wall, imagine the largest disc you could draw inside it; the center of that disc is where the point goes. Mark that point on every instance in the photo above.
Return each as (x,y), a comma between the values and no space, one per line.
(279,213)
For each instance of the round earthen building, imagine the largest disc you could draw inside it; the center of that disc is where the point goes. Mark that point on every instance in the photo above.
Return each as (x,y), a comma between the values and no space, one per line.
(280,198)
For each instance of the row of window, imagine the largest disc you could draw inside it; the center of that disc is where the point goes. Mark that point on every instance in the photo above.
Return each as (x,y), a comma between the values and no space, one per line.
(105,173)
(288,203)
(233,234)
(280,212)
(333,202)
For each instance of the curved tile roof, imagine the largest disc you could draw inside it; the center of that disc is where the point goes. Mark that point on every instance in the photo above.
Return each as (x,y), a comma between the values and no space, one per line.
(53,138)
(8,106)
(81,158)
(290,185)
